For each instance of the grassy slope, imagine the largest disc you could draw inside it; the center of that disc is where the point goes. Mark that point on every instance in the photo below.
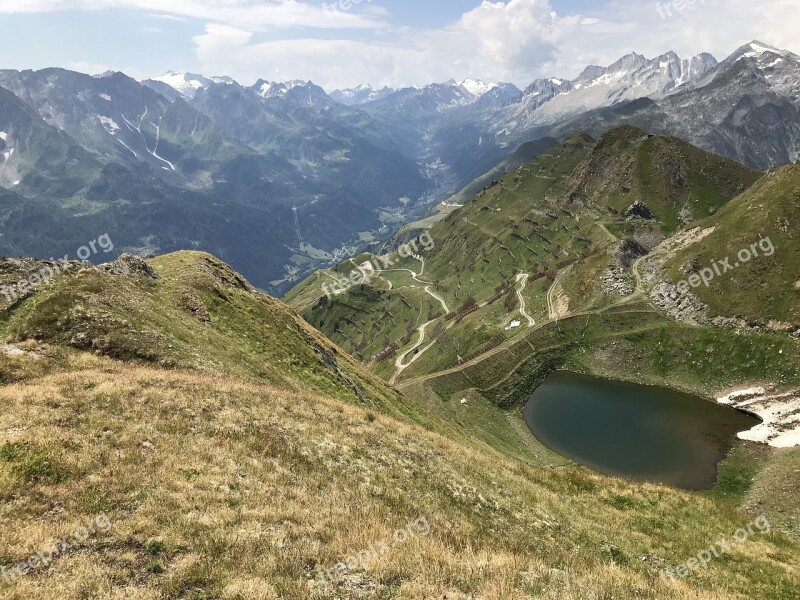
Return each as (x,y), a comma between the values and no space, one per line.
(667,174)
(237,478)
(635,343)
(564,195)
(224,487)
(769,286)
(198,314)
(467,260)
(396,312)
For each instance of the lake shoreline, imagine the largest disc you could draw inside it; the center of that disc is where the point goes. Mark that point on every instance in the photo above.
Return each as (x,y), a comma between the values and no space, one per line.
(631,430)
(778,412)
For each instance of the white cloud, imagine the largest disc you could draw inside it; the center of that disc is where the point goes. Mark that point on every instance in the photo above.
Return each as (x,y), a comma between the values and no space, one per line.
(501,40)
(494,41)
(83,66)
(512,40)
(255,14)
(165,17)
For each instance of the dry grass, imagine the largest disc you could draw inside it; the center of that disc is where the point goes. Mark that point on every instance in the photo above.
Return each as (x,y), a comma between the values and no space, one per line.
(221,487)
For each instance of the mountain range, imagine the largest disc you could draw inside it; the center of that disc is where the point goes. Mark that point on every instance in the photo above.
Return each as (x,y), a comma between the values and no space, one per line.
(279,178)
(444,251)
(633,249)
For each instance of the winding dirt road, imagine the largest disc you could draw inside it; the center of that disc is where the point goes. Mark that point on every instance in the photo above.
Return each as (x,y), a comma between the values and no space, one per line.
(399,364)
(523,277)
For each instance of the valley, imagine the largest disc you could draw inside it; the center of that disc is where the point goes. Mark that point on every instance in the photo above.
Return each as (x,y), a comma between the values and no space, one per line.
(265,436)
(580,243)
(218,166)
(534,337)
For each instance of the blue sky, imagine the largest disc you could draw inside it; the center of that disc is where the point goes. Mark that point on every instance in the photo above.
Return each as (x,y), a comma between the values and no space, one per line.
(394,42)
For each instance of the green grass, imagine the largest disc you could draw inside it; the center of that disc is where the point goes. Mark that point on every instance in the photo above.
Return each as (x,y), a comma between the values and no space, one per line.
(223,438)
(767,287)
(32,464)
(738,472)
(564,195)
(198,314)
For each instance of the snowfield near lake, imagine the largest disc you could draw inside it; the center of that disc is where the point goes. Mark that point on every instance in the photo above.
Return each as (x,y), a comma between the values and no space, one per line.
(780,413)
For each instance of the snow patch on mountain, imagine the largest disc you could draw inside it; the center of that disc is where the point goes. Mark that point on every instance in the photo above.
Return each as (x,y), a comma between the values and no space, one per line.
(476,87)
(361,94)
(109,124)
(779,68)
(188,84)
(267,89)
(756,49)
(633,76)
(129,148)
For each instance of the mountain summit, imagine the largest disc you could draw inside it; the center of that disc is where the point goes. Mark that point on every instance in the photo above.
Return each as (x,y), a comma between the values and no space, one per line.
(187,84)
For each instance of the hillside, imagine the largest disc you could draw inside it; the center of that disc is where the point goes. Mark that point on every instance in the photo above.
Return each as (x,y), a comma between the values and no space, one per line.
(677,182)
(546,269)
(554,237)
(767,288)
(218,448)
(185,310)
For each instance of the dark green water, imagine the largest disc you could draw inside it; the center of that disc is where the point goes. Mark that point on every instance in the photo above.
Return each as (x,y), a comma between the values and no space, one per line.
(629,430)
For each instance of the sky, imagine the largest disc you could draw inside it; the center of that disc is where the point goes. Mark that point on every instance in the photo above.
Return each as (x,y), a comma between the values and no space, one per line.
(343,43)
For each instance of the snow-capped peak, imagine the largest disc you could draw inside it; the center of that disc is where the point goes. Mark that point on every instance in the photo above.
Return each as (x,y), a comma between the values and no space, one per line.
(361,94)
(757,48)
(188,84)
(272,89)
(476,87)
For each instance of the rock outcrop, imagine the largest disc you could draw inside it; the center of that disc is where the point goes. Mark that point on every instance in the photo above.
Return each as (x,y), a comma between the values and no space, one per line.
(129,265)
(639,210)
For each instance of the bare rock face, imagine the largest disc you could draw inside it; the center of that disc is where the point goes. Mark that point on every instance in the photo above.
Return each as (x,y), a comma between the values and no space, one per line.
(692,266)
(683,305)
(638,209)
(680,304)
(629,250)
(614,281)
(129,265)
(649,239)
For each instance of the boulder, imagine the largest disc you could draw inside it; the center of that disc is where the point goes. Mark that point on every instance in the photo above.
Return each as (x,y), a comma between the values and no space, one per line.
(638,209)
(129,265)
